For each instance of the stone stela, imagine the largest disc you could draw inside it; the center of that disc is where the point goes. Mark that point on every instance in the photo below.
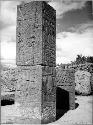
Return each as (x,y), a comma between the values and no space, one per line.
(36,61)
(82,80)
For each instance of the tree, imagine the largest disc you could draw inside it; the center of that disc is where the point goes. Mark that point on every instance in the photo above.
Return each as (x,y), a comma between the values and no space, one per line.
(90,59)
(83,59)
(80,59)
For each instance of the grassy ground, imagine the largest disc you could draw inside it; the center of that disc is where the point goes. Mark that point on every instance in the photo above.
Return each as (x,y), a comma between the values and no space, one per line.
(82,115)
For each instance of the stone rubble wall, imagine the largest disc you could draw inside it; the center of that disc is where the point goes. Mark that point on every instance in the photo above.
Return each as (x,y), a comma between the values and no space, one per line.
(65,77)
(8,80)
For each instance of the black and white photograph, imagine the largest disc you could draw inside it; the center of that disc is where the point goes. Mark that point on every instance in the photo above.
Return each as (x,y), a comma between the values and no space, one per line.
(46,62)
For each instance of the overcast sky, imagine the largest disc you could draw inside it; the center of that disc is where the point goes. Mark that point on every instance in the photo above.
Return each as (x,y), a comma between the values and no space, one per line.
(74,33)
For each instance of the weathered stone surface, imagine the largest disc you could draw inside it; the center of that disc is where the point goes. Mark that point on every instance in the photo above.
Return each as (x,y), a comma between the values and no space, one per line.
(30,113)
(35,84)
(65,79)
(91,82)
(72,99)
(36,34)
(37,113)
(48,112)
(48,89)
(36,61)
(82,80)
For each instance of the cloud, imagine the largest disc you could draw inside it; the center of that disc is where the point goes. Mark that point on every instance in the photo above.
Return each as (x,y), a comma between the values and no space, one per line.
(69,45)
(80,28)
(8,46)
(63,6)
(8,12)
(8,34)
(8,52)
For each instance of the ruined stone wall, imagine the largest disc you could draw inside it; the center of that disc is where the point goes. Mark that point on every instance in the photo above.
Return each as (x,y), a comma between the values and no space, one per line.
(36,61)
(65,80)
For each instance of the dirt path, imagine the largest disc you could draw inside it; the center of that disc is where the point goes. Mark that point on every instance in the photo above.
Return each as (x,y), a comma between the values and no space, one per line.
(82,115)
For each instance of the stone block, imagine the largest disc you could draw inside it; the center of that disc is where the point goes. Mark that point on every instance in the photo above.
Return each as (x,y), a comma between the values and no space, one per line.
(82,80)
(36,34)
(36,113)
(65,77)
(48,89)
(68,88)
(48,112)
(35,84)
(36,61)
(91,82)
(29,114)
(72,100)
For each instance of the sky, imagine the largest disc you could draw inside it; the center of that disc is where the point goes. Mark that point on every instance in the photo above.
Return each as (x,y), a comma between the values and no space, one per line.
(74,30)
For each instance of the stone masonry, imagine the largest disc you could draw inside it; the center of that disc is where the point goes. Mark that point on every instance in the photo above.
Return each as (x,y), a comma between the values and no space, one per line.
(36,61)
(82,80)
(36,34)
(65,80)
(80,69)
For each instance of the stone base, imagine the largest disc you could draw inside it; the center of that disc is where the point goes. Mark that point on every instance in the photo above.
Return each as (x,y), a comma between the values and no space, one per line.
(48,112)
(36,113)
(36,94)
(27,121)
(35,84)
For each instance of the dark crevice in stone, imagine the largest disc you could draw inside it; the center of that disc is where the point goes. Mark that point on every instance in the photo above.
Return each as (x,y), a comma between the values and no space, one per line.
(7,102)
(62,102)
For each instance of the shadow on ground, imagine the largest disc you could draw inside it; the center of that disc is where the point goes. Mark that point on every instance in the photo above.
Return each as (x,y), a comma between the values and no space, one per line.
(76,105)
(62,102)
(61,112)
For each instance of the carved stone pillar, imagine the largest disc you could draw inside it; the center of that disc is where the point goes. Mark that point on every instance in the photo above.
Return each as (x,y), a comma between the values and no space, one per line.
(36,61)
